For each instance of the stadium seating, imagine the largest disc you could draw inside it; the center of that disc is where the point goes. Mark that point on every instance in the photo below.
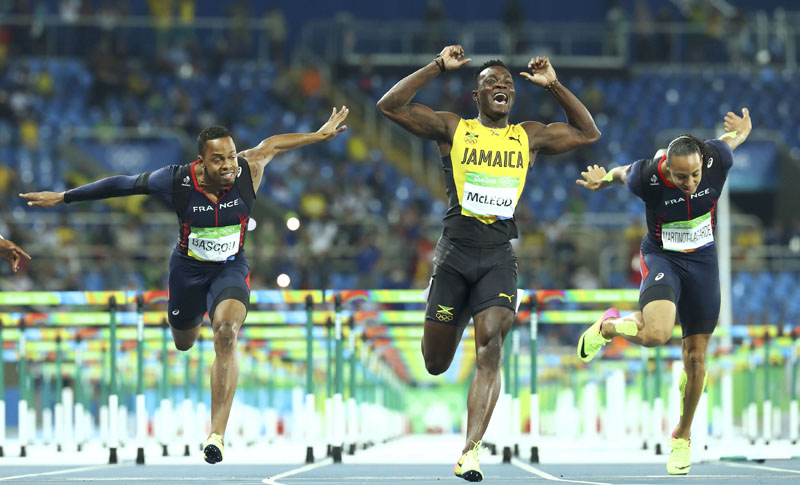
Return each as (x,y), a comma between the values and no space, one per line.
(664,100)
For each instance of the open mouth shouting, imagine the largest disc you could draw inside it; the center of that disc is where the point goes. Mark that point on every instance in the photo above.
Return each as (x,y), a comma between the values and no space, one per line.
(500,98)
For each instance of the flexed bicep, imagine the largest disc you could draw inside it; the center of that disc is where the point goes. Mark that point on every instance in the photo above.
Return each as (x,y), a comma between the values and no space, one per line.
(419,119)
(580,128)
(423,121)
(554,138)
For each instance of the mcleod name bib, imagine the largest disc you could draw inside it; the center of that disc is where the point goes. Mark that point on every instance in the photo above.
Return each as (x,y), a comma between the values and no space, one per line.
(489,169)
(488,195)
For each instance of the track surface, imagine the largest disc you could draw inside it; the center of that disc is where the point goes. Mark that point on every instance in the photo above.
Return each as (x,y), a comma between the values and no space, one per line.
(416,459)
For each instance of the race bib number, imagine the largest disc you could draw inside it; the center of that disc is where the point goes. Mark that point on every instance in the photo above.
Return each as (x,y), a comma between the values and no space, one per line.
(214,243)
(490,195)
(687,236)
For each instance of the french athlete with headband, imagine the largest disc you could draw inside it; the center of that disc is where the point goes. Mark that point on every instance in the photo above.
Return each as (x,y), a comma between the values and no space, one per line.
(680,275)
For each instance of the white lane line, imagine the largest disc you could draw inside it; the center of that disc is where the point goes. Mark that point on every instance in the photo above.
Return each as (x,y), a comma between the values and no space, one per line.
(56,472)
(673,477)
(759,467)
(312,466)
(521,464)
(148,479)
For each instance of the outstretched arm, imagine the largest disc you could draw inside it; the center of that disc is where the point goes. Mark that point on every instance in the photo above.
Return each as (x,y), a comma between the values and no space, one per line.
(260,155)
(417,118)
(737,129)
(596,178)
(116,186)
(13,253)
(555,138)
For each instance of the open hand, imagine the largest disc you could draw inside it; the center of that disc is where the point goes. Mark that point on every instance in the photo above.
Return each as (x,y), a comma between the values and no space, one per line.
(592,177)
(453,57)
(330,129)
(737,124)
(12,253)
(542,72)
(43,199)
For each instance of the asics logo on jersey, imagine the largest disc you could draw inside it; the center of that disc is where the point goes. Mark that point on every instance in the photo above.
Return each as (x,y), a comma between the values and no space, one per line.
(710,162)
(175,312)
(445,313)
(659,276)
(506,296)
(239,172)
(515,139)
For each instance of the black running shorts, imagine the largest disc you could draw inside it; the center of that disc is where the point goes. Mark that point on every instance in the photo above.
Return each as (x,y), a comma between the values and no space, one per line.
(467,280)
(690,280)
(197,287)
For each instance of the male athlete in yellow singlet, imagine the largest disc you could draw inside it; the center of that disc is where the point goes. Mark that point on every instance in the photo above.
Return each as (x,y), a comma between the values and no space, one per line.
(485,162)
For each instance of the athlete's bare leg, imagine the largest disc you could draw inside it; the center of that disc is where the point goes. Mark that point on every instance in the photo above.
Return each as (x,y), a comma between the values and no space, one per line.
(184,339)
(491,327)
(656,323)
(439,344)
(228,318)
(694,364)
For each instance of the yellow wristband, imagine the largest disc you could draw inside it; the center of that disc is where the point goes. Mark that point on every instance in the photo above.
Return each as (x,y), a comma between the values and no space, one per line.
(608,178)
(731,134)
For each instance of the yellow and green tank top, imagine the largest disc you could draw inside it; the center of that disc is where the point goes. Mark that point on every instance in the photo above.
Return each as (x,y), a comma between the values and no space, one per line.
(485,174)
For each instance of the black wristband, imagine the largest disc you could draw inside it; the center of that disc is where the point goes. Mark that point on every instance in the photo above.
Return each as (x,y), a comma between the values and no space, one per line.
(439,62)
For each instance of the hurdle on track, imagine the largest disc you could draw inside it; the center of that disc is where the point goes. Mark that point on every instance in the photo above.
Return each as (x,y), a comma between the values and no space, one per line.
(286,351)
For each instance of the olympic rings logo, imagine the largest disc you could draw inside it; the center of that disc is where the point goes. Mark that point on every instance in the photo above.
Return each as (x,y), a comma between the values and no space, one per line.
(443,317)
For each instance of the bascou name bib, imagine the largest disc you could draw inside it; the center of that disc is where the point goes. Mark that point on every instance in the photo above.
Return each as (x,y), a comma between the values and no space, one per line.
(214,243)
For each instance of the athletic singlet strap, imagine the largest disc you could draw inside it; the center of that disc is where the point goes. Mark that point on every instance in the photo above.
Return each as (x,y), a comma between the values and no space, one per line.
(245,183)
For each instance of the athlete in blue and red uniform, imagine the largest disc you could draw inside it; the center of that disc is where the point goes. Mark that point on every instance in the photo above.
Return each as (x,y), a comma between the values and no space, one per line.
(680,275)
(208,270)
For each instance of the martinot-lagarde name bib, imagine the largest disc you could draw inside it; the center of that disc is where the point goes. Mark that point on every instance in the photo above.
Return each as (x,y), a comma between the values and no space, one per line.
(687,236)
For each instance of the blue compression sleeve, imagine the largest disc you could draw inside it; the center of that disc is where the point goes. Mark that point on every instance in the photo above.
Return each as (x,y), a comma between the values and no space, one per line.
(117,186)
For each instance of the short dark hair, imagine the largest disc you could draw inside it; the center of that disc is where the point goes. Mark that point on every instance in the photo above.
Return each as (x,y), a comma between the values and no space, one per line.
(211,133)
(491,63)
(686,145)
